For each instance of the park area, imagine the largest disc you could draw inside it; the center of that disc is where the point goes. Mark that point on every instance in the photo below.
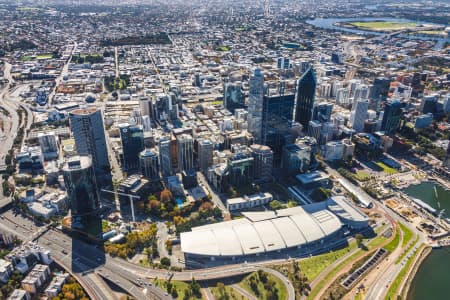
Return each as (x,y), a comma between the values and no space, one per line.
(383,25)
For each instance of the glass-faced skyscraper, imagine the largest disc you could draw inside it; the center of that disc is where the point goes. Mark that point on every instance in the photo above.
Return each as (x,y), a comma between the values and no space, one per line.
(306,91)
(255,104)
(79,179)
(276,121)
(233,97)
(89,134)
(392,116)
(132,138)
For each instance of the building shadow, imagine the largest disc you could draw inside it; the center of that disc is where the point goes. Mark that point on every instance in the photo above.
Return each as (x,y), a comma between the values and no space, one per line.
(87,244)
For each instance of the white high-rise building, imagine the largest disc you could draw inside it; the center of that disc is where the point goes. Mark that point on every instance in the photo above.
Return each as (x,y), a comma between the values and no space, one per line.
(359,115)
(255,107)
(185,148)
(342,97)
(361,92)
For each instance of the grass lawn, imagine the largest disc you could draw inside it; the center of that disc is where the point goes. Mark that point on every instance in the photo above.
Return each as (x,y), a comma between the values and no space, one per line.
(179,285)
(362,175)
(44,56)
(392,292)
(386,168)
(383,25)
(262,292)
(313,266)
(232,293)
(399,259)
(223,48)
(394,243)
(407,234)
(374,243)
(26,58)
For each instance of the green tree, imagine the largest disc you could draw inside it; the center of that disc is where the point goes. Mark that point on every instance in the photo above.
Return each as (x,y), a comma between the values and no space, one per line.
(165,261)
(195,288)
(275,204)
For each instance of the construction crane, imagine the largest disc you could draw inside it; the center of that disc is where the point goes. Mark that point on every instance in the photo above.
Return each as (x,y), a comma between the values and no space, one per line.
(129,196)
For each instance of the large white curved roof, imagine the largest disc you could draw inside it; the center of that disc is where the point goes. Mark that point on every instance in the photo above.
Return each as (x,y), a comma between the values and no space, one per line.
(267,232)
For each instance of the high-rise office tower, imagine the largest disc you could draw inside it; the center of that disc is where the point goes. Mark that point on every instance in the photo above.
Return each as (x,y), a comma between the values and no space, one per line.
(146,123)
(263,162)
(379,92)
(306,91)
(166,107)
(359,115)
(149,164)
(205,154)
(342,97)
(361,93)
(255,106)
(89,134)
(296,158)
(240,167)
(165,157)
(49,144)
(314,130)
(391,116)
(283,63)
(132,138)
(327,132)
(277,118)
(146,106)
(352,85)
(233,96)
(337,57)
(185,151)
(446,106)
(81,185)
(322,112)
(429,104)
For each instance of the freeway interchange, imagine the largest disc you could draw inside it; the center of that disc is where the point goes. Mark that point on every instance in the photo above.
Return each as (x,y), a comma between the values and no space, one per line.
(88,263)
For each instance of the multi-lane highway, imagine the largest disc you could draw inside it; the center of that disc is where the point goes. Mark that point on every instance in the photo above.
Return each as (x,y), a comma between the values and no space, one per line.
(85,261)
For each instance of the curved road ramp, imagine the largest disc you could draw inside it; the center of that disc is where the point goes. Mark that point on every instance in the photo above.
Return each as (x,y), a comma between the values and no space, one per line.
(353,278)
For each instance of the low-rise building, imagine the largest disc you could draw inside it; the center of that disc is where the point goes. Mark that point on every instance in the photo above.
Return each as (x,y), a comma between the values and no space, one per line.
(56,284)
(313,179)
(36,279)
(6,270)
(19,294)
(247,202)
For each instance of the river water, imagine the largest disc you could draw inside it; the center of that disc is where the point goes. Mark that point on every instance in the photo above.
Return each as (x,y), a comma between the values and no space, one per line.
(438,198)
(329,23)
(432,280)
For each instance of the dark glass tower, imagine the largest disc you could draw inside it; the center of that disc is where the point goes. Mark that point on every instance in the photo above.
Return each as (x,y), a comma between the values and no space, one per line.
(276,121)
(132,138)
(82,191)
(391,117)
(233,96)
(306,91)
